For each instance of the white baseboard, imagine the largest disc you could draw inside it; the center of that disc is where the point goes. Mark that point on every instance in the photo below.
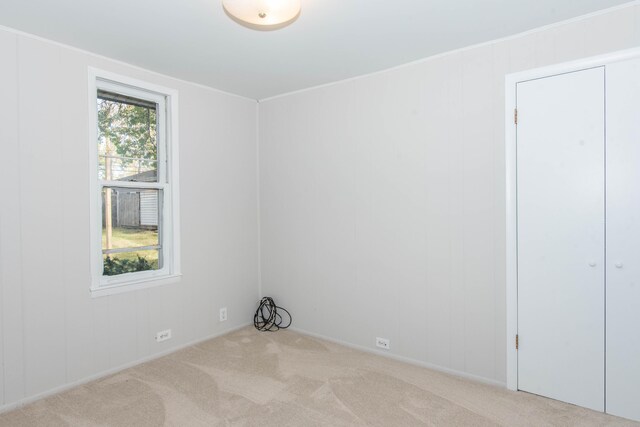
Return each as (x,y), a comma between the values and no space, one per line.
(405,359)
(30,399)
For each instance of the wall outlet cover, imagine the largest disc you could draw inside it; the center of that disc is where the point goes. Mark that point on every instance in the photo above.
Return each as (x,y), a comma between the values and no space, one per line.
(223,314)
(383,343)
(163,335)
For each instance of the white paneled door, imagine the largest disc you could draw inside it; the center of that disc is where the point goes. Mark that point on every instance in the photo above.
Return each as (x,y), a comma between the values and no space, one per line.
(561,237)
(623,239)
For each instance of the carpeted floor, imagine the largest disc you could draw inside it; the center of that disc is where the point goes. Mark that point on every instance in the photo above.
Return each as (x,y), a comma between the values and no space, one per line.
(248,378)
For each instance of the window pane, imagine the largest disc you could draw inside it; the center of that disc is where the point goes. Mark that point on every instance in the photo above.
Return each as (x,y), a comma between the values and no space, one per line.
(131,262)
(127,139)
(131,233)
(134,217)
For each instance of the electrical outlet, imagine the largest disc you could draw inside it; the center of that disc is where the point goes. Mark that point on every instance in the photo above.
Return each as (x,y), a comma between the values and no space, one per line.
(382,343)
(163,335)
(223,314)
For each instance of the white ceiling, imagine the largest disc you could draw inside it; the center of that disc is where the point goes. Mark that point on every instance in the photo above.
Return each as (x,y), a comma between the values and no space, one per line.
(331,40)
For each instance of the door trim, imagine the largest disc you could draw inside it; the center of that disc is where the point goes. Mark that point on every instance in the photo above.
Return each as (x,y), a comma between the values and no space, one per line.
(511,80)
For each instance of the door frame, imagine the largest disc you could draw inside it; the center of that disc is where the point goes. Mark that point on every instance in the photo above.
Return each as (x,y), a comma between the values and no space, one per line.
(511,80)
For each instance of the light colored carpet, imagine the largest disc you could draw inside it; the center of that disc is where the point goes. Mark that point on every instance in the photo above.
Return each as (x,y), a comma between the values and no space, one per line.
(249,378)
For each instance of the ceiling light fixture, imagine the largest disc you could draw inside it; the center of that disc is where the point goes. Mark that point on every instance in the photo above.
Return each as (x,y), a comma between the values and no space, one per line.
(262,14)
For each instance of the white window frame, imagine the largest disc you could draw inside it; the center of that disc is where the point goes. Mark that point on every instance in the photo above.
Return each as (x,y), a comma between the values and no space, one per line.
(169,216)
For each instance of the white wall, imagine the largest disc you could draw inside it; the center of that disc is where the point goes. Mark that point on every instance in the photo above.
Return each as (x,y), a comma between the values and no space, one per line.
(52,332)
(382,198)
(382,210)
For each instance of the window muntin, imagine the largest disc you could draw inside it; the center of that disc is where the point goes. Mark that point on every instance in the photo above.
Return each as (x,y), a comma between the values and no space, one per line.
(136,244)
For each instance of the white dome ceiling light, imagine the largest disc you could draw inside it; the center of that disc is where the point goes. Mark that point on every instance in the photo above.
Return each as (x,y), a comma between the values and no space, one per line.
(263,14)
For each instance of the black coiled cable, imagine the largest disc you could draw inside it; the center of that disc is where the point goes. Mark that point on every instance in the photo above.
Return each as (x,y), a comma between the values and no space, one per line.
(267,317)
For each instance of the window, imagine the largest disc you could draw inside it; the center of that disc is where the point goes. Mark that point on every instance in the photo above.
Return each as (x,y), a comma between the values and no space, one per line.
(134,200)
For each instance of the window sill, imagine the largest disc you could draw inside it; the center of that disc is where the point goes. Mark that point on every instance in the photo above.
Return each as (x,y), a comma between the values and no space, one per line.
(135,285)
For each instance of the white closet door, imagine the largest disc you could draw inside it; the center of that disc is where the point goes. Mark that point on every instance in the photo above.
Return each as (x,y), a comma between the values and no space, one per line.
(560,184)
(623,239)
